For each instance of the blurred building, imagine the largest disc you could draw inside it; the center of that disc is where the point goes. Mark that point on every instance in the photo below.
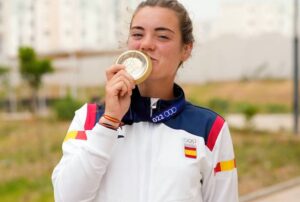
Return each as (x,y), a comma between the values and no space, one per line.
(1,26)
(249,18)
(244,39)
(61,25)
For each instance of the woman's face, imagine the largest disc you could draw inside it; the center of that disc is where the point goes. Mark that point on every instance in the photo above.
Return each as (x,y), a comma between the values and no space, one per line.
(156,32)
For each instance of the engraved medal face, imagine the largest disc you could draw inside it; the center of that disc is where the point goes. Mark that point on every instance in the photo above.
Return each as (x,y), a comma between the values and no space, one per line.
(137,64)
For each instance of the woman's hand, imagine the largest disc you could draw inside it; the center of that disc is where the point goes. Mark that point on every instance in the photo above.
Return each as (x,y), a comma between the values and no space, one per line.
(118,91)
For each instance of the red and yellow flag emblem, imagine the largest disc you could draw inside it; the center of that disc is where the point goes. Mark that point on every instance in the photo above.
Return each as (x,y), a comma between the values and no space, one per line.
(80,135)
(190,152)
(190,148)
(225,166)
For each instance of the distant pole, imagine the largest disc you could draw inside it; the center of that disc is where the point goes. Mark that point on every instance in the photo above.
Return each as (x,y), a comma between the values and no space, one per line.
(296,72)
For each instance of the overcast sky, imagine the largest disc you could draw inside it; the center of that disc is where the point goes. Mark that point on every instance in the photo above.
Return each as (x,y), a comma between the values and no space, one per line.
(201,9)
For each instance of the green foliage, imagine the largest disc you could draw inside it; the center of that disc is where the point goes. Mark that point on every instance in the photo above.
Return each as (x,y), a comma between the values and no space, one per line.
(65,108)
(219,105)
(31,68)
(4,81)
(3,70)
(24,189)
(276,108)
(249,110)
(269,158)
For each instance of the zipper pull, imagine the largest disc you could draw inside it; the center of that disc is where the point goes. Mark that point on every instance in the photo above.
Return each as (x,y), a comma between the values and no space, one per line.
(153,105)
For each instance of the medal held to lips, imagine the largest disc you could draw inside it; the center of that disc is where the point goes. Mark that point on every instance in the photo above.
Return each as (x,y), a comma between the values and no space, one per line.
(137,64)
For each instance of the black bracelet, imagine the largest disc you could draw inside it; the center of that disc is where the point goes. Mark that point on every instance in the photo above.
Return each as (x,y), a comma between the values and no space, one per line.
(106,125)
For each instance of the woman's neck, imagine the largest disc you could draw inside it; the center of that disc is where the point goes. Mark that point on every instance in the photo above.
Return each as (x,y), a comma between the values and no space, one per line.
(157,90)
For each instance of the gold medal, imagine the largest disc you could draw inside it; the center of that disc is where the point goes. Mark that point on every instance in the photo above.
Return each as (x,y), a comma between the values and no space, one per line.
(137,64)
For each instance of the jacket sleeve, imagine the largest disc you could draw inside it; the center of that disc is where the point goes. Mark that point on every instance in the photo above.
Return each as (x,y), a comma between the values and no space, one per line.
(86,154)
(220,182)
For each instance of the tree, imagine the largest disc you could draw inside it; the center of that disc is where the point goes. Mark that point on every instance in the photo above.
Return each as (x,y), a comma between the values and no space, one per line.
(3,78)
(32,70)
(3,70)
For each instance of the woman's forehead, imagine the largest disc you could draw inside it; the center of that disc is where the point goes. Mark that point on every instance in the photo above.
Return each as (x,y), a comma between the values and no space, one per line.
(153,17)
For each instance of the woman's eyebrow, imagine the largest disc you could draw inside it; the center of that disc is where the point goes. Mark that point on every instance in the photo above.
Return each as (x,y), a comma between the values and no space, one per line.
(156,29)
(164,29)
(137,27)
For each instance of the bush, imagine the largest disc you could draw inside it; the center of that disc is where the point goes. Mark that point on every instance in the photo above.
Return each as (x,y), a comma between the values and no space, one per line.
(249,110)
(277,108)
(65,108)
(219,105)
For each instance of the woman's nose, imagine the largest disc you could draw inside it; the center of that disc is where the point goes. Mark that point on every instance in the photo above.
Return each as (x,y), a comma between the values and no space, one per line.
(147,43)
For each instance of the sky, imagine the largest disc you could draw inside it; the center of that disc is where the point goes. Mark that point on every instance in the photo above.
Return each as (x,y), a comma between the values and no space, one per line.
(207,9)
(201,9)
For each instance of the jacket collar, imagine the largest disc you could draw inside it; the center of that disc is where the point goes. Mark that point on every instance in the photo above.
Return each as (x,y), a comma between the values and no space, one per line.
(140,107)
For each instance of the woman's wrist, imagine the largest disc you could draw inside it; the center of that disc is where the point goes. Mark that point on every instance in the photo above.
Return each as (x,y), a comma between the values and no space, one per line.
(109,122)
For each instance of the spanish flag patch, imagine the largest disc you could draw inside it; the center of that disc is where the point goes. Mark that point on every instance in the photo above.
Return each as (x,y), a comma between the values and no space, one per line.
(190,148)
(225,166)
(190,152)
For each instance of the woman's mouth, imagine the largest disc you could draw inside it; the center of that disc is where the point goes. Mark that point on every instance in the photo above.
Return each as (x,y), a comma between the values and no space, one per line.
(153,59)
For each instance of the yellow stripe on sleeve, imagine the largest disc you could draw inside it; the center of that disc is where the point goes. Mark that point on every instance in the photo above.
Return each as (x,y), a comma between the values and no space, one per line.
(70,135)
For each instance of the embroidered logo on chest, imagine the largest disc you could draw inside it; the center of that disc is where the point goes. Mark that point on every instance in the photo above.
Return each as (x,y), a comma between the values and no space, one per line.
(190,148)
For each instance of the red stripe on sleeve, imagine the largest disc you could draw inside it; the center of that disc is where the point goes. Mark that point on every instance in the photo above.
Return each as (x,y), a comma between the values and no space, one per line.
(214,132)
(90,117)
(217,168)
(81,135)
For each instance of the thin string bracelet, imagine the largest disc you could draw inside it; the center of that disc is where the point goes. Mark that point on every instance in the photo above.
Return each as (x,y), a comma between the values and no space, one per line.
(112,119)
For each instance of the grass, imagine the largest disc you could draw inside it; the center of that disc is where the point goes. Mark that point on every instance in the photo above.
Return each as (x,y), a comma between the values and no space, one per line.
(269,96)
(29,150)
(265,158)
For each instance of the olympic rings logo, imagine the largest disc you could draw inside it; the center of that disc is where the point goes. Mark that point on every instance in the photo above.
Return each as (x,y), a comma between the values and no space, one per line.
(190,141)
(164,115)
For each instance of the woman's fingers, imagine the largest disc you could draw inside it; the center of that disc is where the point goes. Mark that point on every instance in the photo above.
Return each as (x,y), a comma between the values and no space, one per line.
(120,84)
(113,70)
(116,70)
(119,87)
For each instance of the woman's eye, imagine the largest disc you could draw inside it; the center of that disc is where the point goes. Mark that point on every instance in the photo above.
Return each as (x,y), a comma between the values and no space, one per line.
(137,35)
(163,37)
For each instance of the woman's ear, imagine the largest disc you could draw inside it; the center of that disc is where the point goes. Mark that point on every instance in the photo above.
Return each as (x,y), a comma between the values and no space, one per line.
(187,49)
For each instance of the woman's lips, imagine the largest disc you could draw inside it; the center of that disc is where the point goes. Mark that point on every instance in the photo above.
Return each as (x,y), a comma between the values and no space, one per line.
(153,59)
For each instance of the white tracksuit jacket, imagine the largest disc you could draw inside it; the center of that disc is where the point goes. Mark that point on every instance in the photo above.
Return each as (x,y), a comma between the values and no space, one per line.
(171,151)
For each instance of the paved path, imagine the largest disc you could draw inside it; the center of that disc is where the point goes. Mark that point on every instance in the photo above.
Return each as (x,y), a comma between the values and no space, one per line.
(268,122)
(284,192)
(288,195)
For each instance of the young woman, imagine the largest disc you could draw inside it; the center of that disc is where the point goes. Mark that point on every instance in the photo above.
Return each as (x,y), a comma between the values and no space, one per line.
(168,150)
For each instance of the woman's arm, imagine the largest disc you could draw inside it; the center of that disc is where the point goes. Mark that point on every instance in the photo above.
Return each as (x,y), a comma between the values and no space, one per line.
(86,154)
(220,181)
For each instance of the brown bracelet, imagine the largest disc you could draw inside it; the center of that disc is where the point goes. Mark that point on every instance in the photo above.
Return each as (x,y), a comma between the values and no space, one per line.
(112,119)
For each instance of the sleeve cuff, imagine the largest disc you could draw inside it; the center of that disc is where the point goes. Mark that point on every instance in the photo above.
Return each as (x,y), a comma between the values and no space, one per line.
(102,139)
